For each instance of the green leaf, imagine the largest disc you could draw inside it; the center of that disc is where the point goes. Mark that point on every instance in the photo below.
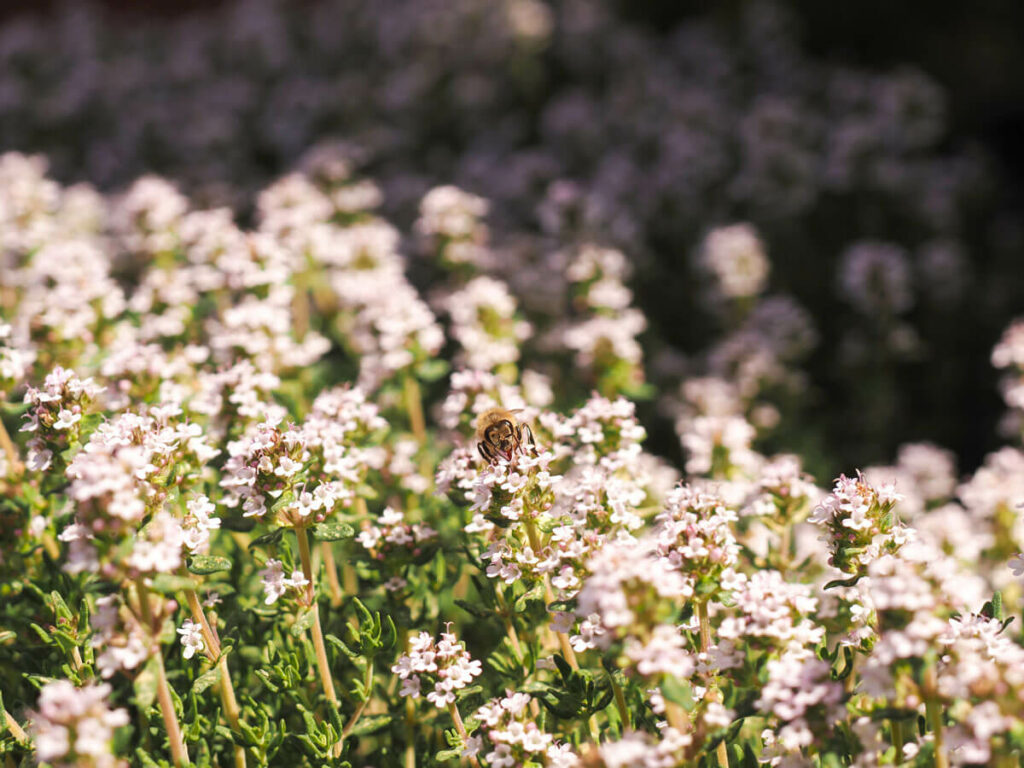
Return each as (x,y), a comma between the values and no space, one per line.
(370,724)
(448,754)
(14,409)
(678,692)
(168,583)
(894,713)
(561,605)
(145,760)
(993,608)
(240,524)
(563,666)
(432,370)
(283,501)
(333,531)
(340,645)
(206,680)
(367,492)
(145,685)
(303,622)
(268,680)
(843,582)
(474,609)
(271,537)
(532,596)
(206,564)
(42,633)
(61,610)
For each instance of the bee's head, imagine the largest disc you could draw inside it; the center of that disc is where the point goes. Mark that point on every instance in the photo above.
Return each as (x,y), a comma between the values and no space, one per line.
(501,436)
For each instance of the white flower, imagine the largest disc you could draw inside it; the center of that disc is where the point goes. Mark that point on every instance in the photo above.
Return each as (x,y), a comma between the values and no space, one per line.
(274,582)
(473,745)
(298,580)
(66,418)
(735,257)
(191,638)
(1017,564)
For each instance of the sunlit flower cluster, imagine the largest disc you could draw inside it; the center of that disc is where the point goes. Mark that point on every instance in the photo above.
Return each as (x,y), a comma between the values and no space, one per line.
(436,669)
(859,522)
(243,468)
(75,726)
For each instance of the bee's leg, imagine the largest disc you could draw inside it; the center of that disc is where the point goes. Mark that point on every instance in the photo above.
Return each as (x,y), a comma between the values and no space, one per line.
(486,452)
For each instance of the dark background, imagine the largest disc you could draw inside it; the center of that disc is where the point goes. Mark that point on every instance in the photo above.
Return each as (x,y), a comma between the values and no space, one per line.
(975,51)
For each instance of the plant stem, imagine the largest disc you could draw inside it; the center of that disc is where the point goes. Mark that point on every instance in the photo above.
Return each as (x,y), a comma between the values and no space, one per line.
(620,704)
(851,678)
(300,309)
(368,684)
(722,750)
(533,537)
(410,734)
(785,542)
(15,466)
(705,626)
(16,730)
(896,726)
(50,545)
(179,754)
(213,652)
(510,629)
(563,639)
(676,716)
(318,634)
(513,638)
(453,710)
(414,407)
(349,577)
(333,585)
(933,710)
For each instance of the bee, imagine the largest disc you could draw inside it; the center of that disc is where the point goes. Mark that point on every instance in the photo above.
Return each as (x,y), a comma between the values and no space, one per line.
(500,435)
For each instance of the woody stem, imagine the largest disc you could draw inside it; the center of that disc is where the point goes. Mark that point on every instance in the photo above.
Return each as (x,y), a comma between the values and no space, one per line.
(227,691)
(10,451)
(453,710)
(722,750)
(319,646)
(414,407)
(163,690)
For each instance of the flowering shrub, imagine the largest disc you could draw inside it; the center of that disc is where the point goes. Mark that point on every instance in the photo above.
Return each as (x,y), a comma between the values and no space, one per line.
(242,489)
(245,518)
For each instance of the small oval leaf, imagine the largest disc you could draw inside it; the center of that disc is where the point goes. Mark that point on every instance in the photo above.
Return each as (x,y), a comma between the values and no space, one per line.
(206,564)
(333,531)
(205,680)
(370,724)
(303,622)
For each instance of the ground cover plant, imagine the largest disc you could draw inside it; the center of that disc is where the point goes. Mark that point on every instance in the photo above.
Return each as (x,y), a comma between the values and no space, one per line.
(438,424)
(252,515)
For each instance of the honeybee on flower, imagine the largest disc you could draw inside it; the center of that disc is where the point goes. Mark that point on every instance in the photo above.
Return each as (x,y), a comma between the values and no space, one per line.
(500,435)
